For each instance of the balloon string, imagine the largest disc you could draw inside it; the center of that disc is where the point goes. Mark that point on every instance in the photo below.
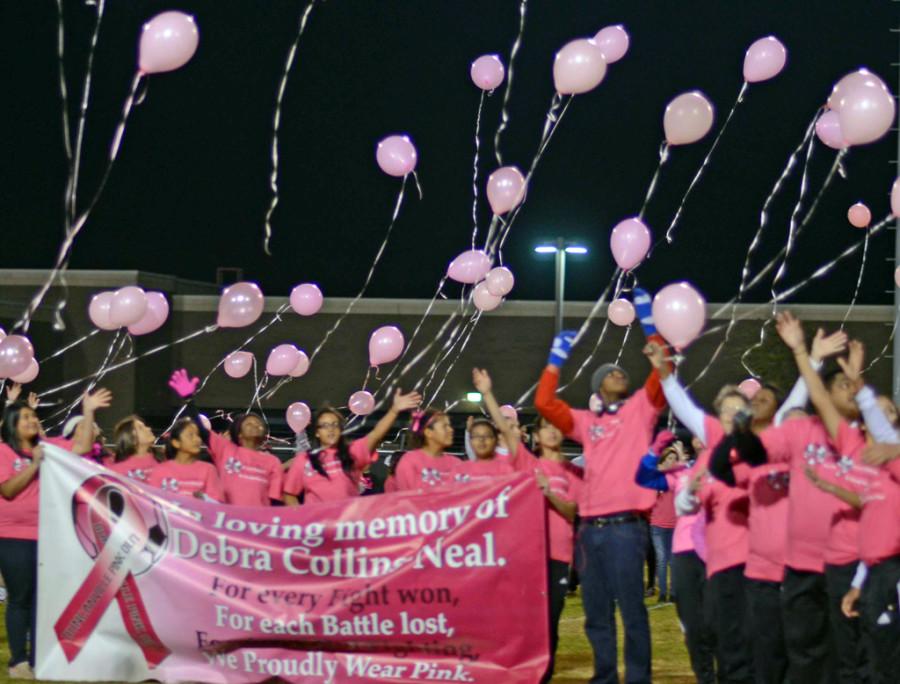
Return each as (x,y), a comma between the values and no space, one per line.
(663,158)
(63,90)
(69,346)
(887,345)
(133,359)
(504,111)
(276,124)
(475,170)
(458,334)
(459,353)
(859,278)
(64,251)
(704,164)
(624,342)
(259,384)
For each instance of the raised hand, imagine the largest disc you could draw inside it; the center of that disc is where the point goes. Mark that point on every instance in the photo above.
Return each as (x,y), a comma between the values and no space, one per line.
(852,366)
(562,347)
(482,380)
(655,354)
(824,345)
(91,401)
(406,402)
(33,401)
(183,386)
(12,392)
(790,330)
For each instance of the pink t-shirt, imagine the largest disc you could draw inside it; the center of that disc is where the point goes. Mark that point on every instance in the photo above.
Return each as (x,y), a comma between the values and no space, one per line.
(187,479)
(879,523)
(682,538)
(567,485)
(800,442)
(768,486)
(663,513)
(613,446)
(725,508)
(137,467)
(249,477)
(303,478)
(420,470)
(19,515)
(500,464)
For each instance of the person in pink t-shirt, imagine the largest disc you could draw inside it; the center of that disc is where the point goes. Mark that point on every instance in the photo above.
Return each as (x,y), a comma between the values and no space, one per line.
(183,473)
(427,465)
(334,469)
(834,401)
(133,449)
(20,459)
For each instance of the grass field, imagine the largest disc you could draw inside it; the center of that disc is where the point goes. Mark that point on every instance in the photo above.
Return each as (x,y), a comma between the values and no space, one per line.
(670,661)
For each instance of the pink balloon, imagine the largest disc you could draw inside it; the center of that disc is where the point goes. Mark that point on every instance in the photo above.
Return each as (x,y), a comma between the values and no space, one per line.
(847,83)
(301,367)
(629,242)
(128,306)
(2,333)
(469,267)
(361,403)
(866,112)
(613,42)
(679,312)
(282,359)
(897,276)
(385,345)
(30,373)
(238,364)
(500,281)
(765,59)
(859,215)
(298,416)
(688,118)
(204,421)
(505,189)
(578,67)
(306,299)
(895,197)
(509,412)
(487,72)
(484,300)
(621,312)
(396,155)
(16,353)
(168,41)
(156,314)
(749,387)
(240,305)
(99,310)
(828,130)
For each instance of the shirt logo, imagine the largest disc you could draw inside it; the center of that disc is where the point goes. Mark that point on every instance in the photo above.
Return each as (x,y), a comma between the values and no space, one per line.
(18,464)
(169,484)
(816,454)
(233,466)
(844,465)
(431,476)
(138,474)
(607,428)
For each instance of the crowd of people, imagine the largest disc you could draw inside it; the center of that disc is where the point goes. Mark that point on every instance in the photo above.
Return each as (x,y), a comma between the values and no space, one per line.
(775,521)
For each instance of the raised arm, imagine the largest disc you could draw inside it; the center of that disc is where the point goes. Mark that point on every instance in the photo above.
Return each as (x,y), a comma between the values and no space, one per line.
(83,441)
(185,387)
(791,331)
(877,424)
(546,402)
(482,381)
(402,402)
(823,346)
(684,408)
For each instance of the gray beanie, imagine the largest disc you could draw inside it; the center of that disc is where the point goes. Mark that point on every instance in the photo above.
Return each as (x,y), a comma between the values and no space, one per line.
(602,372)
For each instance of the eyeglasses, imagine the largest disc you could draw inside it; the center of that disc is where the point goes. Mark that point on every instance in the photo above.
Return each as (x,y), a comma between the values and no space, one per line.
(328,426)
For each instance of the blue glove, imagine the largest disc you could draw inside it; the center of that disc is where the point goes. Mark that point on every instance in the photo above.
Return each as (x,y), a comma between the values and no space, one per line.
(562,345)
(643,305)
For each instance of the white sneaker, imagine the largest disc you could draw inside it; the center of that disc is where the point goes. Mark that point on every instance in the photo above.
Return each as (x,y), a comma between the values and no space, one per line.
(21,671)
(2,594)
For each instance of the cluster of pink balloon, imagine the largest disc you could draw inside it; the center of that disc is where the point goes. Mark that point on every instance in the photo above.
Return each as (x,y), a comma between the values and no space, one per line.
(286,359)
(17,360)
(580,66)
(474,266)
(679,313)
(860,110)
(385,345)
(168,41)
(129,307)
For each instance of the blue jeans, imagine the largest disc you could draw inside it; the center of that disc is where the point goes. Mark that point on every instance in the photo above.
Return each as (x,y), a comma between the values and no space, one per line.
(662,546)
(611,564)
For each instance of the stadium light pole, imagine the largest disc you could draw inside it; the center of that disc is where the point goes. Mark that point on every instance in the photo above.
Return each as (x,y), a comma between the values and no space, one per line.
(560,249)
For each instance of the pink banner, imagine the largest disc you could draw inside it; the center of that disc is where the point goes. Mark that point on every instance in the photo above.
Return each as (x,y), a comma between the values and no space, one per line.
(448,585)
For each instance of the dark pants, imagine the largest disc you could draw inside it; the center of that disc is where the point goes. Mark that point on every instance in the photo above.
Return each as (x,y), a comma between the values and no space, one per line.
(689,587)
(848,662)
(558,579)
(18,565)
(651,564)
(611,565)
(662,547)
(804,611)
(766,633)
(881,620)
(727,613)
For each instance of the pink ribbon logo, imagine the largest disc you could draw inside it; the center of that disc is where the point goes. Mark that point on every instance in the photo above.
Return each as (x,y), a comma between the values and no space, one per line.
(125,535)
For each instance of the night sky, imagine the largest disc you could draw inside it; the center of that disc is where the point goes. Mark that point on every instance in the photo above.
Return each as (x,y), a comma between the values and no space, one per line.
(190,190)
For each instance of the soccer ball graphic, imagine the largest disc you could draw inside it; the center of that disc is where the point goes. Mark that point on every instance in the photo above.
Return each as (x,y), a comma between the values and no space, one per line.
(98,506)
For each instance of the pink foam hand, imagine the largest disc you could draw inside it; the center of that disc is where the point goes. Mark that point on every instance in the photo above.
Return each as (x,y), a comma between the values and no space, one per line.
(182,385)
